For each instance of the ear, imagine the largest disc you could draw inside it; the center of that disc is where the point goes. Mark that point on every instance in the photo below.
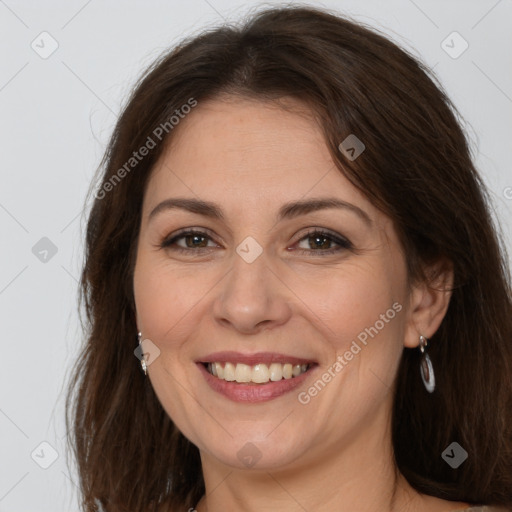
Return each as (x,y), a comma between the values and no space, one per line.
(137,321)
(428,303)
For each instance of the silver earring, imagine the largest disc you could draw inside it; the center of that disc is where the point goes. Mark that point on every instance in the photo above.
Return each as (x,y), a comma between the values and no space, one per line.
(142,360)
(426,368)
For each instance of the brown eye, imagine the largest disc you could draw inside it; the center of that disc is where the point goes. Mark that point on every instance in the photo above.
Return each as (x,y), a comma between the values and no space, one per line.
(192,240)
(321,241)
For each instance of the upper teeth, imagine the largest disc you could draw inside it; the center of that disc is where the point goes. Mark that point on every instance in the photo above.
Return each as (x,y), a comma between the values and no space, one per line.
(259,373)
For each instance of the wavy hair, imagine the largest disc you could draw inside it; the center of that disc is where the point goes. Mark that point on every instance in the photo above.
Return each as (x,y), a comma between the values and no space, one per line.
(417,168)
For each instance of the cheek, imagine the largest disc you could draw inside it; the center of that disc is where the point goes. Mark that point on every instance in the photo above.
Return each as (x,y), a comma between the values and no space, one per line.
(164,302)
(350,299)
(164,297)
(359,312)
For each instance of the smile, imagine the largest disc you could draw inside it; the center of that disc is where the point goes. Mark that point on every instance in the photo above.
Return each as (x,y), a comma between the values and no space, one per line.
(255,377)
(260,373)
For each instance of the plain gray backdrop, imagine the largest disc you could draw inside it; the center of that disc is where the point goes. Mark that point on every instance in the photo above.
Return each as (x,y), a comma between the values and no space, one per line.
(66,69)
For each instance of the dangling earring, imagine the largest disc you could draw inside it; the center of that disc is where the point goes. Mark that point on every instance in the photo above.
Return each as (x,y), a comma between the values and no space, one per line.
(426,368)
(142,360)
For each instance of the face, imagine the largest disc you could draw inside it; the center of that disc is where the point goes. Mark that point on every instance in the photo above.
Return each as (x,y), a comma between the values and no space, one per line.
(324,287)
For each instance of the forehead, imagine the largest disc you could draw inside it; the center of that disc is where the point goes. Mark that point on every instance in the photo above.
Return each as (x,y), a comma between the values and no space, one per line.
(252,154)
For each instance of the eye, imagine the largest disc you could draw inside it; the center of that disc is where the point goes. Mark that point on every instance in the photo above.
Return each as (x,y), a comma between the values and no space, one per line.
(319,239)
(194,240)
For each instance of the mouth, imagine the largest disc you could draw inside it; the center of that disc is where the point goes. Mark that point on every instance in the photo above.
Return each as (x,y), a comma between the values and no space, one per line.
(260,373)
(256,377)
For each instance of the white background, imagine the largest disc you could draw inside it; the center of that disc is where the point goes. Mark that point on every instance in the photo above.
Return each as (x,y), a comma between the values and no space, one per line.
(56,117)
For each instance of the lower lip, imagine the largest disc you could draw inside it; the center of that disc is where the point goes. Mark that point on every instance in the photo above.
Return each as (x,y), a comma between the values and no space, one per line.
(253,393)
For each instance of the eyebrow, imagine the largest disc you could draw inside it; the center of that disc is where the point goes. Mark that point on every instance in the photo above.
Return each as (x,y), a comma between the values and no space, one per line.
(287,211)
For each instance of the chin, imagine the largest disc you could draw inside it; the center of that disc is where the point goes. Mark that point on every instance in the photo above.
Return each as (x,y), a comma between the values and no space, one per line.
(259,452)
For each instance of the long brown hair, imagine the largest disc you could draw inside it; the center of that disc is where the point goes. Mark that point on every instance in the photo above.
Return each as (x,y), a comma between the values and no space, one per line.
(416,168)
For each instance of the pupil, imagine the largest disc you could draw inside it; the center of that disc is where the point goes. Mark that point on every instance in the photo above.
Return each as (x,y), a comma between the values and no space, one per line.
(195,238)
(317,238)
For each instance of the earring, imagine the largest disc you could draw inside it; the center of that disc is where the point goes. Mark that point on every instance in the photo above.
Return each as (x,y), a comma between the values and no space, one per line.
(426,368)
(142,360)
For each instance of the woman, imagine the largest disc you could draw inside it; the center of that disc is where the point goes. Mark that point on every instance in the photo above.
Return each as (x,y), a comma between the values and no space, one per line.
(290,225)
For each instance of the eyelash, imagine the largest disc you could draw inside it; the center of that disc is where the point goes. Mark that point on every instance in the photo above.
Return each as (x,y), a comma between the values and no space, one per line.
(343,243)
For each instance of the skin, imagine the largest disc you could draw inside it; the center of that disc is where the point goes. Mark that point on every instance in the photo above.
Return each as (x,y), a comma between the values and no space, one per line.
(335,452)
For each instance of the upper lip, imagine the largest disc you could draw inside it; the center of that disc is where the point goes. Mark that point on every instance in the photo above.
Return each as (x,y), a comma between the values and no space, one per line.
(253,359)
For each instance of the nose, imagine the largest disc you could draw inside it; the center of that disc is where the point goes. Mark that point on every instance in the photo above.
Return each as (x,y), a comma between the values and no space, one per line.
(252,297)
